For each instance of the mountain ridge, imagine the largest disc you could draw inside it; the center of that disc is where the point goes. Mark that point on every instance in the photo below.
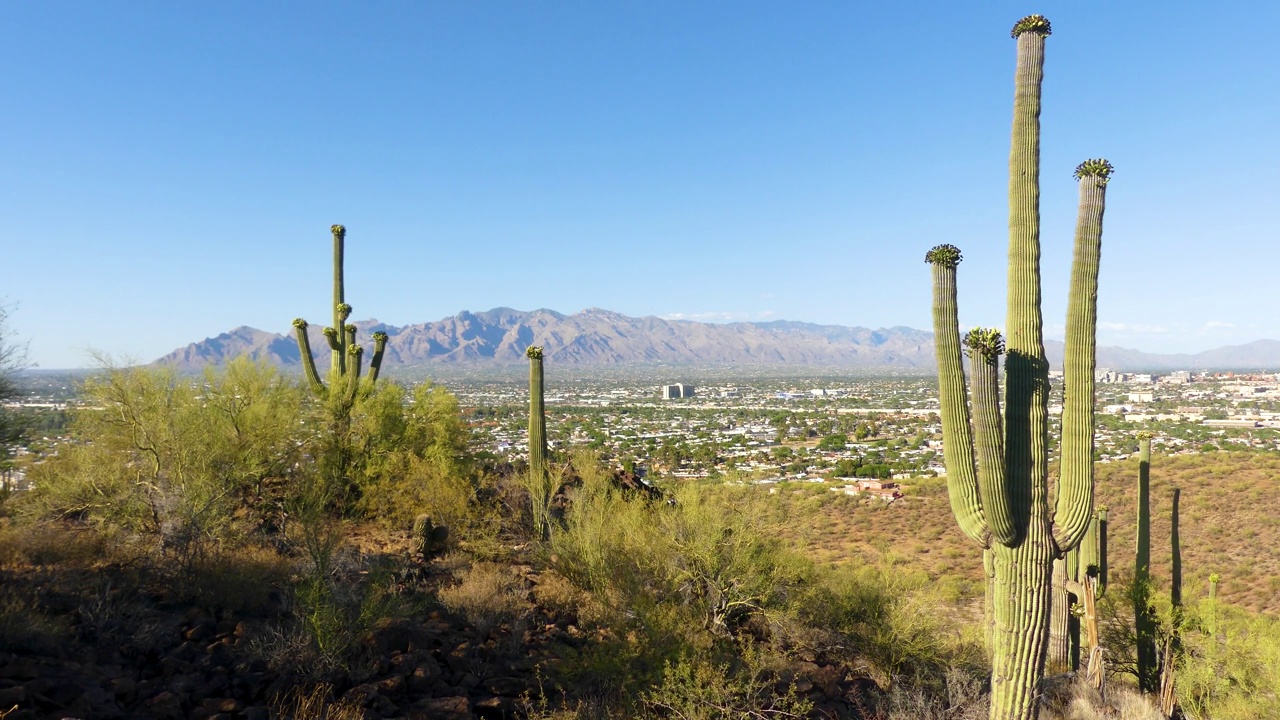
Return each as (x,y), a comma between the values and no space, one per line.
(600,337)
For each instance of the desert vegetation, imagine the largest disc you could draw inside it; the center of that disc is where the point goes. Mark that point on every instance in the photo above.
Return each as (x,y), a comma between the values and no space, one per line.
(245,544)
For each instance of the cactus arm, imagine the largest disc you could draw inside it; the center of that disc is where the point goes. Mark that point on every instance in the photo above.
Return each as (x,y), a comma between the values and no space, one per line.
(331,336)
(308,362)
(375,363)
(1102,550)
(1175,573)
(339,319)
(957,447)
(985,347)
(1073,506)
(353,371)
(350,339)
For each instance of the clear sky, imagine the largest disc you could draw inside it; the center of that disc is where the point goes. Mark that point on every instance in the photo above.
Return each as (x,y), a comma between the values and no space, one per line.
(170,169)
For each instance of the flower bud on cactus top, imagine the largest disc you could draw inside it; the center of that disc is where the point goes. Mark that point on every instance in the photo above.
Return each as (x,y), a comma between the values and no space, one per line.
(1032,23)
(534,351)
(344,311)
(945,255)
(300,324)
(1099,168)
(984,343)
(338,230)
(380,336)
(330,332)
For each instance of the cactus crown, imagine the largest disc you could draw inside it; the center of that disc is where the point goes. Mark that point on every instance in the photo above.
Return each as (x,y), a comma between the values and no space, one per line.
(534,352)
(1214,578)
(984,343)
(1144,435)
(355,350)
(344,310)
(1032,23)
(945,255)
(1095,167)
(380,336)
(338,230)
(330,332)
(300,324)
(351,328)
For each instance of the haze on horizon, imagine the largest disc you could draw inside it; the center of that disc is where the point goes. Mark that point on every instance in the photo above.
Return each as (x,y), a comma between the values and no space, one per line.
(173,170)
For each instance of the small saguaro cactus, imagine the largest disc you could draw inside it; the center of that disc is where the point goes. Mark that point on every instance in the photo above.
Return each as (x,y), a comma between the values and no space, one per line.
(427,537)
(344,369)
(1003,502)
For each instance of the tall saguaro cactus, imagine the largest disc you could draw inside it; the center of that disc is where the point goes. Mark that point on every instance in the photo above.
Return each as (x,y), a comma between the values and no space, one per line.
(1003,503)
(539,476)
(344,368)
(1143,613)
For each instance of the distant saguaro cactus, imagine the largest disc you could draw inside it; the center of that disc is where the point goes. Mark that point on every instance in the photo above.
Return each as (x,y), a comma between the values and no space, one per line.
(1003,504)
(1143,613)
(344,368)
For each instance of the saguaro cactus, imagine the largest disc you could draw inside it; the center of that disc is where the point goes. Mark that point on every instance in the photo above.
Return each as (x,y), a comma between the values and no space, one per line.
(1143,613)
(1003,504)
(344,368)
(539,477)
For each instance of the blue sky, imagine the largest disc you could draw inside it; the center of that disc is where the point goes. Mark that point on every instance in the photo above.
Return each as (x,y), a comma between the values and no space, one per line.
(171,169)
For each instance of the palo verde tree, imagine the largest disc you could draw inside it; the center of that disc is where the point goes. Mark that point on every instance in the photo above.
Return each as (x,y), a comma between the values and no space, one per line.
(1003,504)
(339,394)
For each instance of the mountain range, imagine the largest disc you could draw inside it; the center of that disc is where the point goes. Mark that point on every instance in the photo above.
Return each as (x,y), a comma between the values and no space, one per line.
(596,337)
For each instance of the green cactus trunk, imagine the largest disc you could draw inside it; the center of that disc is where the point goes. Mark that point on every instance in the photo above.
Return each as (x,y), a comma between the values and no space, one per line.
(1143,613)
(1004,503)
(538,471)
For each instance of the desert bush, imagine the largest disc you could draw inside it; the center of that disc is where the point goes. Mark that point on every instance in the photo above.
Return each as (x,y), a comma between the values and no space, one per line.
(26,625)
(488,595)
(896,623)
(697,687)
(172,457)
(415,460)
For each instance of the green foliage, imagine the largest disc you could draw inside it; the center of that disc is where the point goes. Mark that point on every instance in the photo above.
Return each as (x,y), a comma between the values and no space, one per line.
(413,460)
(171,456)
(699,688)
(674,578)
(834,442)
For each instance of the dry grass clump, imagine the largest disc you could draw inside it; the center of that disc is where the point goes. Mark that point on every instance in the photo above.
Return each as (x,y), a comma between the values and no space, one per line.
(314,704)
(487,595)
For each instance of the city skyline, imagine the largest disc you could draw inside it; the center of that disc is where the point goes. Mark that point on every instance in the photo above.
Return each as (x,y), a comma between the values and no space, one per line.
(174,169)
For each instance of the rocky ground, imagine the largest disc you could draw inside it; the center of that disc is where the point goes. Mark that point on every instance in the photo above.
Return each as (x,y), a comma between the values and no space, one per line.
(107,641)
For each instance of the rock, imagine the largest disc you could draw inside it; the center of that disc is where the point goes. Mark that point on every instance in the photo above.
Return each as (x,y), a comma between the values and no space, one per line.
(495,708)
(201,631)
(12,696)
(166,705)
(445,708)
(396,634)
(508,686)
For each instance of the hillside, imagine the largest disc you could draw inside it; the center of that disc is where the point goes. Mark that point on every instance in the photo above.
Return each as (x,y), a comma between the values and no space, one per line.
(1228,526)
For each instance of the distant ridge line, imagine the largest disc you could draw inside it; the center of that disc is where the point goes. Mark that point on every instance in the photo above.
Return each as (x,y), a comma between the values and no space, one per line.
(601,338)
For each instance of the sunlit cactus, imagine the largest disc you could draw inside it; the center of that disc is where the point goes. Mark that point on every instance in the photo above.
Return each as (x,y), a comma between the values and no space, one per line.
(539,477)
(344,369)
(1002,501)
